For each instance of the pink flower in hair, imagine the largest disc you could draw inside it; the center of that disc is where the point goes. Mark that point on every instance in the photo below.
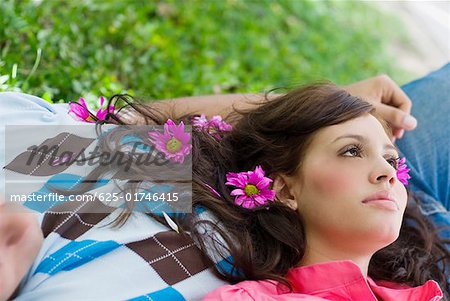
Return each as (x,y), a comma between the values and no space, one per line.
(200,121)
(214,126)
(80,111)
(101,113)
(402,171)
(174,143)
(217,122)
(252,188)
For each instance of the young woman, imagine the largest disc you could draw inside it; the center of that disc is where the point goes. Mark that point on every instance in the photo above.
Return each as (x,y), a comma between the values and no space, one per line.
(306,187)
(335,224)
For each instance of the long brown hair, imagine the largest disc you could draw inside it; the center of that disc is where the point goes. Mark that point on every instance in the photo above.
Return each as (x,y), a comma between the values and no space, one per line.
(265,244)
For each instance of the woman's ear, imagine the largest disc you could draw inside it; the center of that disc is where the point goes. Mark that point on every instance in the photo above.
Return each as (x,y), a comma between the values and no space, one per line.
(282,192)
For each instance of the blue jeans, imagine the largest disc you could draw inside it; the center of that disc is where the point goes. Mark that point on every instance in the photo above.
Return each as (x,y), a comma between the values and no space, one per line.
(427,148)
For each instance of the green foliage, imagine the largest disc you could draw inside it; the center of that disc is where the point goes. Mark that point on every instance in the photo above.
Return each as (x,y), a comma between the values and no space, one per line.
(61,50)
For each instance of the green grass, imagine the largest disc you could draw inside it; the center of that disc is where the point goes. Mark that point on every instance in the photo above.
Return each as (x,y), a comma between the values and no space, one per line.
(61,50)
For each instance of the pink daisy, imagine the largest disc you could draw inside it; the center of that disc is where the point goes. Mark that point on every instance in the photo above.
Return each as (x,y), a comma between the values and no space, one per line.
(214,126)
(80,111)
(252,188)
(402,171)
(101,113)
(200,121)
(174,143)
(217,122)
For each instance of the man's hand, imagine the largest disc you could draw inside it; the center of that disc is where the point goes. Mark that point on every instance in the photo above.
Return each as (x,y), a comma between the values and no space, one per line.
(389,100)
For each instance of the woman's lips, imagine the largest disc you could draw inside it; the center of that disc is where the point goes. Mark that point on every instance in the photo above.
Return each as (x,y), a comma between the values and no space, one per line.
(383,200)
(383,204)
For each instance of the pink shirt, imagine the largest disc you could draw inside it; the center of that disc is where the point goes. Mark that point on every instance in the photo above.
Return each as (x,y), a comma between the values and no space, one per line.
(332,281)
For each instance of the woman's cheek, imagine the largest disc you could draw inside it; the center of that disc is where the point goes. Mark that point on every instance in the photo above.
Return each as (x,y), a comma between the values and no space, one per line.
(333,180)
(402,195)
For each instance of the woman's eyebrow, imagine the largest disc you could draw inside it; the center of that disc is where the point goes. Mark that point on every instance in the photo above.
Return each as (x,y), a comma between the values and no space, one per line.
(363,139)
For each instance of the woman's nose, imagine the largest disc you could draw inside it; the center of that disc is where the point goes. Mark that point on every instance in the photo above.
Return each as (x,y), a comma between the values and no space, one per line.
(384,172)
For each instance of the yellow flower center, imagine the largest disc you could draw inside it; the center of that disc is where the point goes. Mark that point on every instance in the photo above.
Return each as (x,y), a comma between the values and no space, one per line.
(173,145)
(250,189)
(212,130)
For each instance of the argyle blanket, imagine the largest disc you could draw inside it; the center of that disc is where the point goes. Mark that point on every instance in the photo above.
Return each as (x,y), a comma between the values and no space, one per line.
(83,256)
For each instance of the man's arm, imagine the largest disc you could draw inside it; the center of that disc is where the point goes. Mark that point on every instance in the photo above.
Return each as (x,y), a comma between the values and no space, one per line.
(211,104)
(387,97)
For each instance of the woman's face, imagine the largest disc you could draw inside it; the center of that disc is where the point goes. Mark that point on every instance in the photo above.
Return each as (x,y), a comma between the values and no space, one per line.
(20,241)
(345,165)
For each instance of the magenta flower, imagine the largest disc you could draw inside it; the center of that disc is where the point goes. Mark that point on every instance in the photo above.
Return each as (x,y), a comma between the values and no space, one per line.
(80,111)
(215,126)
(217,122)
(252,188)
(101,113)
(174,143)
(200,122)
(402,171)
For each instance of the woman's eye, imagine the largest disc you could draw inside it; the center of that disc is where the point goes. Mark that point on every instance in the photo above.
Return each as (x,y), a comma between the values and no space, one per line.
(393,162)
(355,151)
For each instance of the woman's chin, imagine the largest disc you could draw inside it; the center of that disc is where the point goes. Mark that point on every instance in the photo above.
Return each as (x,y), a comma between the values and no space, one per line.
(384,237)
